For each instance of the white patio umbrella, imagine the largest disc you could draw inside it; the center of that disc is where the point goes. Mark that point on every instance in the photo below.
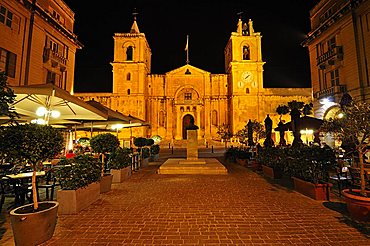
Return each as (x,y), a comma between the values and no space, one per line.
(53,104)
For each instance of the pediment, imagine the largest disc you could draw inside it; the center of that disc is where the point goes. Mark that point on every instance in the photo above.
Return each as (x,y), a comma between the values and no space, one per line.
(186,70)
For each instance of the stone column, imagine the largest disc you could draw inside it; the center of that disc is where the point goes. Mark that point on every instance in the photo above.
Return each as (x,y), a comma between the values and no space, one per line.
(192,145)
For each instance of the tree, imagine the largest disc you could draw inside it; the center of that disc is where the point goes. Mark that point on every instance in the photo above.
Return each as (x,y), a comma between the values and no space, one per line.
(353,127)
(31,144)
(258,131)
(7,97)
(295,109)
(224,132)
(103,144)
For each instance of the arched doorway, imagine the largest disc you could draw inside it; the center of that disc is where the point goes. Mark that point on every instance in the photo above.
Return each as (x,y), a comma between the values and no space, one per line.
(185,123)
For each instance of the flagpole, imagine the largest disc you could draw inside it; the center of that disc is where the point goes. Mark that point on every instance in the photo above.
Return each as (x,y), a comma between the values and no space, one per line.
(187,49)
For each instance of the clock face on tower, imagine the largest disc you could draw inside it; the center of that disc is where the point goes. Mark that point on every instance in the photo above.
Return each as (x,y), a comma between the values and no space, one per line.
(247,76)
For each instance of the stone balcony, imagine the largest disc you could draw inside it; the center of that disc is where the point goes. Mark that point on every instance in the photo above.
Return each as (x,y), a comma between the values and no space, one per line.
(333,91)
(333,54)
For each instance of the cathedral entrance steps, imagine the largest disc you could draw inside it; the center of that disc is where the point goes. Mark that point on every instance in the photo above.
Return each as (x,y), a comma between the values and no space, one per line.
(199,166)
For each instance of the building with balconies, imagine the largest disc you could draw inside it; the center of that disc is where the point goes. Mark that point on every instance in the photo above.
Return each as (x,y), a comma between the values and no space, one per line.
(338,45)
(37,44)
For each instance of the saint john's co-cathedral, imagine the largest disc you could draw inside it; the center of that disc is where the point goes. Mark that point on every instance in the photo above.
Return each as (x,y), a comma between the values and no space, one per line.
(168,102)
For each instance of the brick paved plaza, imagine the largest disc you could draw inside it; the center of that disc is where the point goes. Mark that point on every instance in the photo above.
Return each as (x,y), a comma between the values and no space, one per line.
(241,208)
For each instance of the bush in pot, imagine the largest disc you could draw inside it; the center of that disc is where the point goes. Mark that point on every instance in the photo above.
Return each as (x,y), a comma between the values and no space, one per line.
(78,179)
(32,144)
(154,150)
(119,162)
(104,144)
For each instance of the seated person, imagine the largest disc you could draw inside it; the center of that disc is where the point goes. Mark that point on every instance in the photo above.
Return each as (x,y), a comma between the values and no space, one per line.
(70,154)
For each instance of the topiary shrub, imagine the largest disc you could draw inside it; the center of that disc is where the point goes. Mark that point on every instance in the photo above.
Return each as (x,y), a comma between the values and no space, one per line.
(154,149)
(78,172)
(30,144)
(120,158)
(103,144)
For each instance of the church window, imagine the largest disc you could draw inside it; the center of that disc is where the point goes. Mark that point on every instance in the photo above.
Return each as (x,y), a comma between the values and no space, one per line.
(187,96)
(128,76)
(128,91)
(246,55)
(214,118)
(161,118)
(129,53)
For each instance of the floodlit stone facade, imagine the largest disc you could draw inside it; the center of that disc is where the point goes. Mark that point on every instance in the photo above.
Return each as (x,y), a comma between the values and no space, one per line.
(338,45)
(37,43)
(170,101)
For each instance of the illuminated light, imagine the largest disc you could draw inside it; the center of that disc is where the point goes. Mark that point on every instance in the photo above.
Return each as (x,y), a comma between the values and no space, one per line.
(307,131)
(117,126)
(325,101)
(41,111)
(38,121)
(340,115)
(55,114)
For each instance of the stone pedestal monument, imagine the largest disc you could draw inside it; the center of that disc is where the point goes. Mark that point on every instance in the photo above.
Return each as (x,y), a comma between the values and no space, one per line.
(192,145)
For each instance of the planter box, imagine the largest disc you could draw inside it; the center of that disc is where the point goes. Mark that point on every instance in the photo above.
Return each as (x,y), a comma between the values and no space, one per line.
(121,174)
(318,192)
(242,162)
(271,172)
(73,201)
(106,183)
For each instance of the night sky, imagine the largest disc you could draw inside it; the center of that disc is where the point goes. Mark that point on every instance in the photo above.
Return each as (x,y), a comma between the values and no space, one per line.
(283,25)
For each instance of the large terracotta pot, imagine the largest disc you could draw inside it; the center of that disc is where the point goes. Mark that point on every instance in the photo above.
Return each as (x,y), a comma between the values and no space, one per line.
(271,172)
(33,228)
(358,206)
(319,192)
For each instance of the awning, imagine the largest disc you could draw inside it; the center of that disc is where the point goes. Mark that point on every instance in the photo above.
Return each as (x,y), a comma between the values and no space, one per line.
(30,98)
(115,120)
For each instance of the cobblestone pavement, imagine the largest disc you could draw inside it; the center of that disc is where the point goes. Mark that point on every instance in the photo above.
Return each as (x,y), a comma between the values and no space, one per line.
(241,208)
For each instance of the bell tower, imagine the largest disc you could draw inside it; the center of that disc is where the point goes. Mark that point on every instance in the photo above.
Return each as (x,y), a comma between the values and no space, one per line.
(131,66)
(244,66)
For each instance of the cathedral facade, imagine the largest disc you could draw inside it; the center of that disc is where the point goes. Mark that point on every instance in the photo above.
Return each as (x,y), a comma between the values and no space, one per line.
(170,101)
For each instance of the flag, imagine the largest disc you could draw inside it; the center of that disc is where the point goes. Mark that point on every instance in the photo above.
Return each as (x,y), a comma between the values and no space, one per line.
(187,43)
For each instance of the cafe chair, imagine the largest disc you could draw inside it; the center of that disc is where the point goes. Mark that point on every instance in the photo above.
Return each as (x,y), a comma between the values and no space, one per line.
(343,178)
(6,190)
(49,182)
(356,178)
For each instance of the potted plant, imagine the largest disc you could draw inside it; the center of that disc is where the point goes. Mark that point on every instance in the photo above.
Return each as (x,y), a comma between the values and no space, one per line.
(140,142)
(242,156)
(120,161)
(104,144)
(32,144)
(79,180)
(273,162)
(354,127)
(309,167)
(154,151)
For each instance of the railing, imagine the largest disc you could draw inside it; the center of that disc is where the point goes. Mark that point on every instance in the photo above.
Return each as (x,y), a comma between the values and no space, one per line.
(48,53)
(336,51)
(59,58)
(331,91)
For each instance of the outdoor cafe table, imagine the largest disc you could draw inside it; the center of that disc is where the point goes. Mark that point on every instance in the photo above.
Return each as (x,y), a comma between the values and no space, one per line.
(20,178)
